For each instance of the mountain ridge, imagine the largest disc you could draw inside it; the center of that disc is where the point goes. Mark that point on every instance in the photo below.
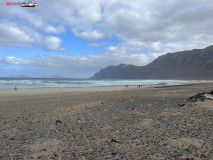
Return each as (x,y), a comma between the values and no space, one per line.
(196,64)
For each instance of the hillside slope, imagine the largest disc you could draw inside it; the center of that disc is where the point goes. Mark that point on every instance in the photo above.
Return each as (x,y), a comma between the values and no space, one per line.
(194,64)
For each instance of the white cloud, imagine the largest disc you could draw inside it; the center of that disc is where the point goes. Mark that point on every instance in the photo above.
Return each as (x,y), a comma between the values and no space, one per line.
(13,35)
(84,66)
(89,35)
(75,65)
(142,20)
(15,61)
(146,29)
(96,44)
(52,43)
(145,21)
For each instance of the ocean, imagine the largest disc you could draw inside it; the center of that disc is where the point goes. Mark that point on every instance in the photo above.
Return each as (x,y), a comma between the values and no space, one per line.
(10,83)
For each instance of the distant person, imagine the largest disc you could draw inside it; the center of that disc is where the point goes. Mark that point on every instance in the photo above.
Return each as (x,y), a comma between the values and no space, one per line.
(15,88)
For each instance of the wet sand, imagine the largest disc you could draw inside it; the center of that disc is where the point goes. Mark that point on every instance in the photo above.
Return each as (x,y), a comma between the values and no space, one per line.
(106,123)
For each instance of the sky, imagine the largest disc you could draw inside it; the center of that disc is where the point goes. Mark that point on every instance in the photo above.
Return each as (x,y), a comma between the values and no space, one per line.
(76,38)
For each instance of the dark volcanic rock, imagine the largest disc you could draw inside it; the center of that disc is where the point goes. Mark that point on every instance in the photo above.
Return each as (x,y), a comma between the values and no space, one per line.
(114,140)
(198,97)
(58,122)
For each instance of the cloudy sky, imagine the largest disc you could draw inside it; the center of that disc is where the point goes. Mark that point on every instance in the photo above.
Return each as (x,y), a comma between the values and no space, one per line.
(76,38)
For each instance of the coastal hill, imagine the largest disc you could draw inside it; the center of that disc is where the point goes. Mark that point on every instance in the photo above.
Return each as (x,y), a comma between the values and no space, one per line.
(195,64)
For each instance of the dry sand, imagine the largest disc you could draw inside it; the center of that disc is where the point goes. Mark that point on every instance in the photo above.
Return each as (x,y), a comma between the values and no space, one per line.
(106,123)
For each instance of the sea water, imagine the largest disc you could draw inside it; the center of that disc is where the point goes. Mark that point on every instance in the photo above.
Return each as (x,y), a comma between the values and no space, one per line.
(9,83)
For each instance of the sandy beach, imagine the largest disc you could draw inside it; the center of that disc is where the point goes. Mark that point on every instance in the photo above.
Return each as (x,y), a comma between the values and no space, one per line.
(107,123)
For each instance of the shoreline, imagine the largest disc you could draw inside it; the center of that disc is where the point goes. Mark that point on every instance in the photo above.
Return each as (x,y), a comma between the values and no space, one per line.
(35,94)
(167,84)
(106,123)
(142,84)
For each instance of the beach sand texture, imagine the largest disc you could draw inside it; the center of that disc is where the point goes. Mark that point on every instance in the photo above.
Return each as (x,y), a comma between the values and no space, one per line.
(107,123)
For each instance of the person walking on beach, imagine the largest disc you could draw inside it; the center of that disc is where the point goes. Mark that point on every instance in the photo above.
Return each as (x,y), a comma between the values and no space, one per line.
(15,88)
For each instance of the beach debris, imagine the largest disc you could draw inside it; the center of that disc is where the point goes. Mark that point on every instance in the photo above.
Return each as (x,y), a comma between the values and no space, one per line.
(181,105)
(114,140)
(114,153)
(40,157)
(11,139)
(58,122)
(55,154)
(102,102)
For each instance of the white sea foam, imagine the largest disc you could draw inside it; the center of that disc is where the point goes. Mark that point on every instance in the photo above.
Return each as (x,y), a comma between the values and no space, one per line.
(8,83)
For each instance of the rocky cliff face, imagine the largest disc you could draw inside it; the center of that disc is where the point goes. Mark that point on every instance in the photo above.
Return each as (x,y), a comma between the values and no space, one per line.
(194,64)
